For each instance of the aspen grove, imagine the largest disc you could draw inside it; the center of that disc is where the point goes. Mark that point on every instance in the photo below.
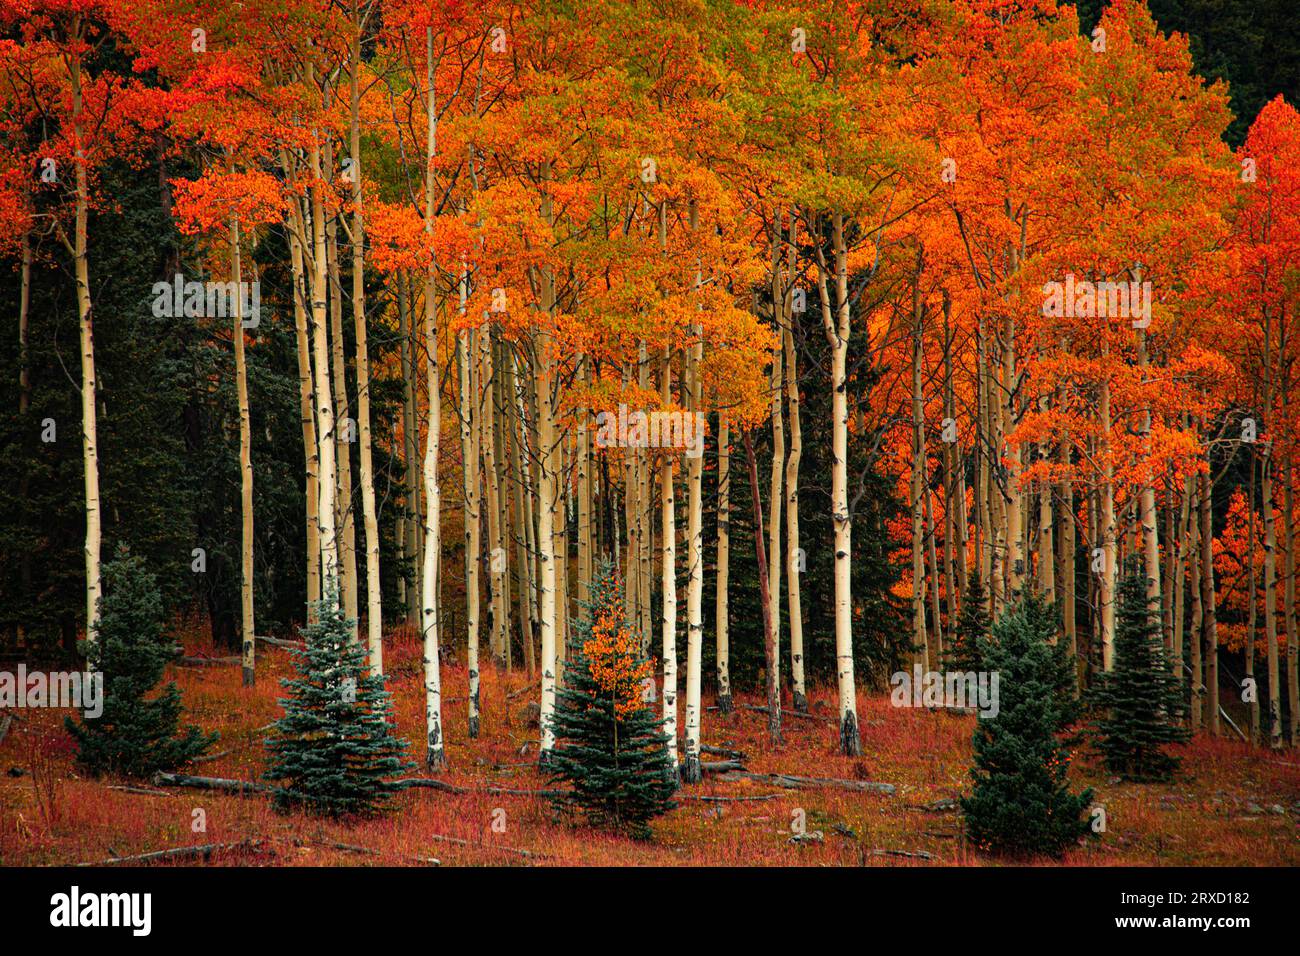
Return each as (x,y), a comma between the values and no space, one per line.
(808,322)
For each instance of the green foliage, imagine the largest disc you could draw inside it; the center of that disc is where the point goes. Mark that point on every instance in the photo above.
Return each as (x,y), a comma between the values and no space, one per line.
(610,747)
(1021,804)
(961,652)
(334,751)
(136,735)
(1138,703)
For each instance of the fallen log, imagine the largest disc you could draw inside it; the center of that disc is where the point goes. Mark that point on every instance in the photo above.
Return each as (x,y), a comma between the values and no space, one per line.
(143,790)
(722,752)
(704,798)
(791,782)
(178,853)
(918,854)
(784,713)
(720,766)
(281,642)
(208,758)
(162,779)
(483,846)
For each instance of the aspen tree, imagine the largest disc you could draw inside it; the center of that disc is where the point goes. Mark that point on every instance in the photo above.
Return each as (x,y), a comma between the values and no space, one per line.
(467,348)
(247,631)
(721,620)
(837,335)
(691,772)
(794,605)
(1209,625)
(369,512)
(311,451)
(769,629)
(430,624)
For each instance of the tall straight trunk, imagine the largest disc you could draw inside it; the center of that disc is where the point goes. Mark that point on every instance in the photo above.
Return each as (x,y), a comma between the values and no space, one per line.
(794,602)
(411,449)
(953,538)
(430,622)
(345,434)
(24,403)
(1252,623)
(524,534)
(325,421)
(1289,570)
(694,388)
(247,639)
(1046,528)
(583,463)
(668,584)
(1110,567)
(920,638)
(983,470)
(775,498)
(1147,500)
(548,491)
(837,335)
(86,325)
(1171,564)
(1209,624)
(769,629)
(931,534)
(1017,559)
(1181,573)
(1198,609)
(721,619)
(498,552)
(467,348)
(645,528)
(369,512)
(1270,549)
(311,451)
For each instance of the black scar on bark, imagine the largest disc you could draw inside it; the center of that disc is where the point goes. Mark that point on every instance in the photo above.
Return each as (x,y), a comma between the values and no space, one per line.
(850,743)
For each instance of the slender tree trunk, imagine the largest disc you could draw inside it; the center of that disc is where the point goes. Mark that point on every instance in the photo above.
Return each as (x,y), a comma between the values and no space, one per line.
(345,433)
(431,625)
(694,539)
(1209,624)
(721,612)
(837,334)
(794,553)
(467,348)
(1110,568)
(769,631)
(411,449)
(920,638)
(247,629)
(1198,609)
(668,560)
(325,422)
(311,450)
(1252,624)
(86,324)
(369,512)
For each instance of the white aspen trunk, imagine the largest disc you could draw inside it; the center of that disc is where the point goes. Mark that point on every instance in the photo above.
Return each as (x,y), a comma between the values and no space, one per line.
(345,432)
(837,334)
(721,619)
(669,585)
(311,451)
(1109,571)
(691,772)
(775,493)
(436,756)
(1147,502)
(369,512)
(794,556)
(411,452)
(324,400)
(246,625)
(469,446)
(86,325)
(920,639)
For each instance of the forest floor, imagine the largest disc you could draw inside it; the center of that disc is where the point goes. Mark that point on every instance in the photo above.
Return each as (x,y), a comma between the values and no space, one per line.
(1229,806)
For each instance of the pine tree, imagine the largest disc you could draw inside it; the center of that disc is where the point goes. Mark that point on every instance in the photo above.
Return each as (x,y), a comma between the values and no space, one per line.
(335,751)
(610,747)
(1021,803)
(961,653)
(136,735)
(1138,703)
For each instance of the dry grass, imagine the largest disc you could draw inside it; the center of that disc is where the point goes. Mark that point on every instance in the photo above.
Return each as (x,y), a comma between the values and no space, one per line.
(1220,811)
